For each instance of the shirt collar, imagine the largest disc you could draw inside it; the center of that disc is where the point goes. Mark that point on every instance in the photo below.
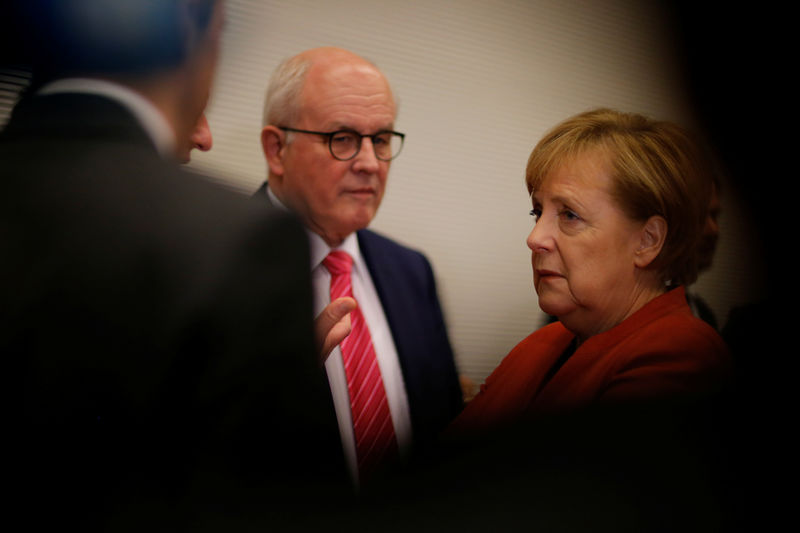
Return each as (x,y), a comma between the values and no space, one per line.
(147,114)
(320,249)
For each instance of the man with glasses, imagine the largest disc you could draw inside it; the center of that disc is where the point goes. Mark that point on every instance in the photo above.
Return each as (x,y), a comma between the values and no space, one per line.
(329,138)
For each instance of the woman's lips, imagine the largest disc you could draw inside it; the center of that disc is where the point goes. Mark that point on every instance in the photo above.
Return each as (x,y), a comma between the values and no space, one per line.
(547,275)
(544,273)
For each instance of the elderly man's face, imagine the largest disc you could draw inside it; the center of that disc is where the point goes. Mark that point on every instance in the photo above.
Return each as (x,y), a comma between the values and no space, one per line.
(336,198)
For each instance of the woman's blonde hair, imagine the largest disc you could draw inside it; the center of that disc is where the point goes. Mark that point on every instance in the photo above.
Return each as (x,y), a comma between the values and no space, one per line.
(657,168)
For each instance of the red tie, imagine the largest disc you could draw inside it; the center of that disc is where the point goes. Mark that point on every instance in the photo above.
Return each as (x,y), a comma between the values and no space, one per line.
(372,421)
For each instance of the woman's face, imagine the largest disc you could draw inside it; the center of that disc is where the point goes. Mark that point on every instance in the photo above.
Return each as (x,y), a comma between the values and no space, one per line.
(583,248)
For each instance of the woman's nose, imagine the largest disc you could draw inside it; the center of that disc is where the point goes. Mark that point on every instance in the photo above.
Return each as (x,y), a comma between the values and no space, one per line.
(540,238)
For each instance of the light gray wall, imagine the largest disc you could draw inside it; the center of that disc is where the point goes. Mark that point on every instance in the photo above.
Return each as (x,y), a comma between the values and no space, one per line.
(478,84)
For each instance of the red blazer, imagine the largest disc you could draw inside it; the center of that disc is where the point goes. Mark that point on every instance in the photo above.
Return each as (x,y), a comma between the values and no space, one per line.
(660,351)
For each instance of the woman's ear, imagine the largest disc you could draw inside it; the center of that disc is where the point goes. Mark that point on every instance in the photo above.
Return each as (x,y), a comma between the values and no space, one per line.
(651,240)
(273,143)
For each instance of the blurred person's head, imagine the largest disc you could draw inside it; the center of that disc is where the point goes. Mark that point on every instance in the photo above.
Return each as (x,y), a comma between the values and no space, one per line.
(620,202)
(332,173)
(167,50)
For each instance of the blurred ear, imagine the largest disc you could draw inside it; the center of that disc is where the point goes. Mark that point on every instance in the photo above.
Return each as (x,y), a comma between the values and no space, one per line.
(273,143)
(651,240)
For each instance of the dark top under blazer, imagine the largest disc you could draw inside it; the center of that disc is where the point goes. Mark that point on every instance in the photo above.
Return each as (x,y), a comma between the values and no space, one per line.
(406,287)
(154,356)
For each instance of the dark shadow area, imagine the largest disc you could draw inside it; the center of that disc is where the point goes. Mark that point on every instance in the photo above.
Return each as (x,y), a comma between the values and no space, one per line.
(738,62)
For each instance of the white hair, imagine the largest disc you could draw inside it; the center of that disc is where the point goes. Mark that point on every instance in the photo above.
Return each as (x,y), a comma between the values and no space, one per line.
(282,101)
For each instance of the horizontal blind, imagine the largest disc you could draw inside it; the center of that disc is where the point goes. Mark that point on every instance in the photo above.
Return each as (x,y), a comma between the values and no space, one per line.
(478,84)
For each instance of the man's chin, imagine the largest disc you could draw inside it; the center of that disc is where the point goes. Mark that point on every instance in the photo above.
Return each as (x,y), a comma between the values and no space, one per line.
(358,219)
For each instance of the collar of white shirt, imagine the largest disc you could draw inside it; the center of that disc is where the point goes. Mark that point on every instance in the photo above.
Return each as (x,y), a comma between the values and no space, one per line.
(148,115)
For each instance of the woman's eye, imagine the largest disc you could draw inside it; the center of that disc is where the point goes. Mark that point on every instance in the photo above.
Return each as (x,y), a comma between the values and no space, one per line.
(536,213)
(568,214)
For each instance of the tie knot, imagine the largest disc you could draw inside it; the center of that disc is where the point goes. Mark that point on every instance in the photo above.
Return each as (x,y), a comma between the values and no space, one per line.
(338,263)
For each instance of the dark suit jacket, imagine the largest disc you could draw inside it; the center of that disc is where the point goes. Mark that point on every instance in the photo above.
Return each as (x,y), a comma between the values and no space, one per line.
(158,329)
(407,289)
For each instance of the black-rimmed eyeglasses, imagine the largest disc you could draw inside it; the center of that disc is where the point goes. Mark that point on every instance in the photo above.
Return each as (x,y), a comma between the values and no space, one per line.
(345,144)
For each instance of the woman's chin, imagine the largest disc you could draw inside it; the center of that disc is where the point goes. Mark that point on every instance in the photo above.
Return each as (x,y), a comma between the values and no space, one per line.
(556,309)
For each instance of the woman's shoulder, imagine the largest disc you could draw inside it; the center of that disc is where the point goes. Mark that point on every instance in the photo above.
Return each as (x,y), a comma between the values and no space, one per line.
(674,355)
(680,331)
(666,324)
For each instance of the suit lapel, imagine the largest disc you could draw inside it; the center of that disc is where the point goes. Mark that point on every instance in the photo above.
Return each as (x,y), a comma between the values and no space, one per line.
(387,278)
(375,264)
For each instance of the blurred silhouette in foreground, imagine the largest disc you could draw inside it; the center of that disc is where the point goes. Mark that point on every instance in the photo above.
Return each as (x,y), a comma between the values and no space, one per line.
(158,325)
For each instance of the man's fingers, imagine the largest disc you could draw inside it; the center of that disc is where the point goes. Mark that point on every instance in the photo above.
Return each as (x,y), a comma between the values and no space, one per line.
(333,324)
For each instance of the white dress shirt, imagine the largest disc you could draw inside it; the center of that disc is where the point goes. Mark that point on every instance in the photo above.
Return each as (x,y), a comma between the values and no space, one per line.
(148,115)
(366,295)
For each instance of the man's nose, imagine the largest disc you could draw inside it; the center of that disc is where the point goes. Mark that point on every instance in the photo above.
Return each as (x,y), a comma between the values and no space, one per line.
(365,160)
(201,136)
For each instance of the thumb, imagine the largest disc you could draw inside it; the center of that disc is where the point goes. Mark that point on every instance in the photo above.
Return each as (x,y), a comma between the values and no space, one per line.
(333,324)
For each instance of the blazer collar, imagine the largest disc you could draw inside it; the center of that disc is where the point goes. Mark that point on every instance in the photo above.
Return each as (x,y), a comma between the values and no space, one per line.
(146,113)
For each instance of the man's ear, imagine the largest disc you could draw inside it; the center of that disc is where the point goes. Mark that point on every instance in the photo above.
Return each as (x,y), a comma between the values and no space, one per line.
(651,240)
(273,143)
